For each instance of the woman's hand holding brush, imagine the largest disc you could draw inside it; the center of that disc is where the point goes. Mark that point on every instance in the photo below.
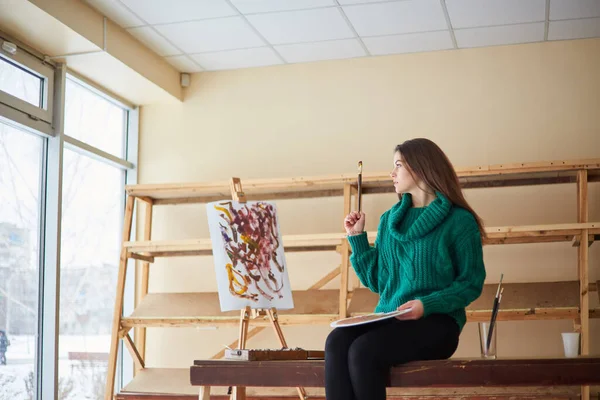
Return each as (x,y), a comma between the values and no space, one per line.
(354,223)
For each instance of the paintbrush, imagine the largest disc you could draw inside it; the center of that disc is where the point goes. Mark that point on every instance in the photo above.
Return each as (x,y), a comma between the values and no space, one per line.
(493,323)
(359,195)
(495,310)
(498,292)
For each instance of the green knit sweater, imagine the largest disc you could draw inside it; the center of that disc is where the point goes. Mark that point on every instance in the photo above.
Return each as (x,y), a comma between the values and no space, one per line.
(433,254)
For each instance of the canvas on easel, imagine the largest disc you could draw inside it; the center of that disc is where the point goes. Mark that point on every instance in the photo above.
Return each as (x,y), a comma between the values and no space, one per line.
(250,263)
(248,255)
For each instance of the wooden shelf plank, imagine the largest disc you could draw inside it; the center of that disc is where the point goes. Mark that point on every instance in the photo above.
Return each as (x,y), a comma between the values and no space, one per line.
(329,241)
(521,301)
(161,381)
(291,319)
(188,309)
(180,305)
(195,247)
(332,185)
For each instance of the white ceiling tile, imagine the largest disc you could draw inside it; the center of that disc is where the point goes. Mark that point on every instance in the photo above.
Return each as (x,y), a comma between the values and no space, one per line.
(183,64)
(499,35)
(302,26)
(154,41)
(211,35)
(569,9)
(397,17)
(574,29)
(330,50)
(409,43)
(246,58)
(476,13)
(260,6)
(164,12)
(116,12)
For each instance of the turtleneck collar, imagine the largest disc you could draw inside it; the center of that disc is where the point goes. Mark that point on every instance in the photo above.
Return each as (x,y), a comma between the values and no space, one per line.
(431,216)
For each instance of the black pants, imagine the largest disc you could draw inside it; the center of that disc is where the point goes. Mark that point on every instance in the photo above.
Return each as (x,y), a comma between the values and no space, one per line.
(358,359)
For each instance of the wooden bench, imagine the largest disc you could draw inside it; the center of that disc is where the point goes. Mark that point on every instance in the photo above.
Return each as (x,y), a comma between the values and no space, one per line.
(430,374)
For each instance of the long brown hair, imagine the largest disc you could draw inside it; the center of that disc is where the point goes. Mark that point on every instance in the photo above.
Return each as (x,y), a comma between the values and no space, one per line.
(430,164)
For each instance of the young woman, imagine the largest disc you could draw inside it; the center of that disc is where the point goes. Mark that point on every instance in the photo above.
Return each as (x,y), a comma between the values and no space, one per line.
(427,257)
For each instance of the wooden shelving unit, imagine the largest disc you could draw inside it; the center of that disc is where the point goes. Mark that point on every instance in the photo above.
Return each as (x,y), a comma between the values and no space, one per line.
(524,301)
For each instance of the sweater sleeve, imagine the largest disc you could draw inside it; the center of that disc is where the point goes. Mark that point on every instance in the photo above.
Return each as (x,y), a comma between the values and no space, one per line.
(467,286)
(364,259)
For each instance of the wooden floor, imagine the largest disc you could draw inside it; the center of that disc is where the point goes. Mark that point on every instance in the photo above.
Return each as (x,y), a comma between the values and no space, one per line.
(174,384)
(513,396)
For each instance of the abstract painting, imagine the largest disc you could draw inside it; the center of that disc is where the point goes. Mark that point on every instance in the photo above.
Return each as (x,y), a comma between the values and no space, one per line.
(248,255)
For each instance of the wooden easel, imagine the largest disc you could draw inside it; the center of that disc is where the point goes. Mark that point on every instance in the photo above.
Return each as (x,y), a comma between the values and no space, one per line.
(239,393)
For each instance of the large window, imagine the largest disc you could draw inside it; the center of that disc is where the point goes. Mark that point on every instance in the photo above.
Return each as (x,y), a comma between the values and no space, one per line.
(20,191)
(61,218)
(92,215)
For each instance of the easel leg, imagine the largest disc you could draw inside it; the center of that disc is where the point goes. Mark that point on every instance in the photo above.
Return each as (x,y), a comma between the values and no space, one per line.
(239,393)
(204,393)
(237,194)
(275,323)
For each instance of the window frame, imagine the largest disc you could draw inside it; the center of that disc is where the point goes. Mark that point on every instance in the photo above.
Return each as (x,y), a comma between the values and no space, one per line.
(27,115)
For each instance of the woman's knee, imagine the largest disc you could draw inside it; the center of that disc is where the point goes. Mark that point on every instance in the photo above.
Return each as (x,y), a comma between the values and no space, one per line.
(362,355)
(336,341)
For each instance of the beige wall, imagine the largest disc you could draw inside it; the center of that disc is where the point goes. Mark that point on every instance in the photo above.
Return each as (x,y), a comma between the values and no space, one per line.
(482,106)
